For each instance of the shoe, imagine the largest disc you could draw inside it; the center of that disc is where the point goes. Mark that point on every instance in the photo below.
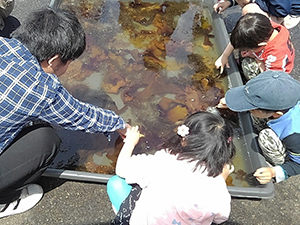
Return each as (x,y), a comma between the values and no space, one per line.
(29,197)
(291,21)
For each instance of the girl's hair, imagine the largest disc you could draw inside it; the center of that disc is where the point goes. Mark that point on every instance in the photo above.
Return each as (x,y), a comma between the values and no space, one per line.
(49,32)
(250,30)
(209,142)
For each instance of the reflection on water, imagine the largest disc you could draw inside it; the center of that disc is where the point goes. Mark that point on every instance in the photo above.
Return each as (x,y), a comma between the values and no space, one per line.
(151,63)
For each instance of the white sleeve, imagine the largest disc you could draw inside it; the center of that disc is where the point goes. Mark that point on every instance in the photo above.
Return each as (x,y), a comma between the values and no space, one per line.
(279,174)
(138,169)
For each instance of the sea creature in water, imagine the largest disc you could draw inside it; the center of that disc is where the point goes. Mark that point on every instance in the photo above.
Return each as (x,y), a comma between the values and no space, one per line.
(86,8)
(205,76)
(148,65)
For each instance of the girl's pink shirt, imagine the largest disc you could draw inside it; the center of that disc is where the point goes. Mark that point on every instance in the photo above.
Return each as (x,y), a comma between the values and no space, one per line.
(174,194)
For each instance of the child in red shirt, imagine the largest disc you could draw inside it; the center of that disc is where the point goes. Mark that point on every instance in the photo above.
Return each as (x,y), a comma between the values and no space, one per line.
(263,44)
(283,12)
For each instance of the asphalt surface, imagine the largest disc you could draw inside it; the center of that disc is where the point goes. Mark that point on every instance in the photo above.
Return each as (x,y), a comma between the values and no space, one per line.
(82,203)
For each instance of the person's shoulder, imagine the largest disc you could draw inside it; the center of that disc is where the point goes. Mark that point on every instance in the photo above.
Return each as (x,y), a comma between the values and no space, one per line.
(279,27)
(6,43)
(163,153)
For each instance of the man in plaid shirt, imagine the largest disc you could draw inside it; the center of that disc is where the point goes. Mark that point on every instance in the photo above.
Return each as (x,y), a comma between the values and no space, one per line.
(30,63)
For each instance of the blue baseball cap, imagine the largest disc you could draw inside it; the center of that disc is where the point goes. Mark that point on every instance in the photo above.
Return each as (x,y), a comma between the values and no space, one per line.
(270,90)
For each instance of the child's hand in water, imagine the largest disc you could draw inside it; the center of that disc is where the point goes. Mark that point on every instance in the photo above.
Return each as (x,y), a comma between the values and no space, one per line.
(221,6)
(265,174)
(221,63)
(132,135)
(222,104)
(227,169)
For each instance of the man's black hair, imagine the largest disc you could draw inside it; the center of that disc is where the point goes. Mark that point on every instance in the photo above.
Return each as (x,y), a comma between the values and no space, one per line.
(48,32)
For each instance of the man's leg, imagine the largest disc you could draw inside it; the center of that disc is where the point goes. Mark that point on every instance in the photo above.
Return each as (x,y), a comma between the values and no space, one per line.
(24,161)
(11,24)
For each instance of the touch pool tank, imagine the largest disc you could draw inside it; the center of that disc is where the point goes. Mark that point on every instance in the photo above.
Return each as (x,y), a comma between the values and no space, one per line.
(153,64)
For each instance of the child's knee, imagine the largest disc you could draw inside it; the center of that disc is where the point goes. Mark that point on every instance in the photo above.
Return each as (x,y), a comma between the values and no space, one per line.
(272,147)
(117,190)
(250,68)
(118,185)
(268,133)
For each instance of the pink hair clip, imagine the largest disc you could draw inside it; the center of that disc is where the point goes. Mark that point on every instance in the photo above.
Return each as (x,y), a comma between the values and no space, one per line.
(229,140)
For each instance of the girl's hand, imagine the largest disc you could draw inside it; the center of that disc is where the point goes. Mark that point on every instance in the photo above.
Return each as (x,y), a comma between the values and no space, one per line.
(264,174)
(132,135)
(221,62)
(221,6)
(222,104)
(227,169)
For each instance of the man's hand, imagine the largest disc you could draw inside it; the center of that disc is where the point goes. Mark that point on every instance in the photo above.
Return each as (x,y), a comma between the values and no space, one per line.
(265,174)
(122,132)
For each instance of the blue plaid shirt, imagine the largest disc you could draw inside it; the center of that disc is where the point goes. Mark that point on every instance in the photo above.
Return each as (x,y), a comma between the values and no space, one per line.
(28,93)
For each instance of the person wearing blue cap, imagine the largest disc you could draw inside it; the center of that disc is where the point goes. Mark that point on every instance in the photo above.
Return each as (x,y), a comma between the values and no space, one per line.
(273,95)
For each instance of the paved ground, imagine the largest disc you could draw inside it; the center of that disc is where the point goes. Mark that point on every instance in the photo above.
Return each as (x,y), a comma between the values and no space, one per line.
(81,203)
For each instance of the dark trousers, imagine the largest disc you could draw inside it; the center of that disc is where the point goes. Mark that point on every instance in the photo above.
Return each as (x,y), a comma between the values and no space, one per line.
(24,161)
(11,24)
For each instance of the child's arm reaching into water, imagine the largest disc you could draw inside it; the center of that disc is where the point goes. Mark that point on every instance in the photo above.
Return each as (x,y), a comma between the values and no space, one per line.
(221,6)
(227,169)
(222,61)
(222,104)
(265,174)
(132,138)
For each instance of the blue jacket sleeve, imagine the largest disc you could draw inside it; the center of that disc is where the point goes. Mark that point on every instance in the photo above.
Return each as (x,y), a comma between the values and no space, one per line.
(291,166)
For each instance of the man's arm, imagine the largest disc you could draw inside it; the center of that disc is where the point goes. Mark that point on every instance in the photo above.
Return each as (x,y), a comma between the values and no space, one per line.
(72,114)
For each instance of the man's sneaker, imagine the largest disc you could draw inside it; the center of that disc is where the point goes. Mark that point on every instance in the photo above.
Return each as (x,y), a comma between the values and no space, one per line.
(291,21)
(29,197)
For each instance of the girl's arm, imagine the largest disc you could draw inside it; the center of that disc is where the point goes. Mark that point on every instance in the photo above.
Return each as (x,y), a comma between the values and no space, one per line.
(227,169)
(222,61)
(132,138)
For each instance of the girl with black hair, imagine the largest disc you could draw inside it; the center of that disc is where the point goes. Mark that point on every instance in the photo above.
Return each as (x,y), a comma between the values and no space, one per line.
(183,183)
